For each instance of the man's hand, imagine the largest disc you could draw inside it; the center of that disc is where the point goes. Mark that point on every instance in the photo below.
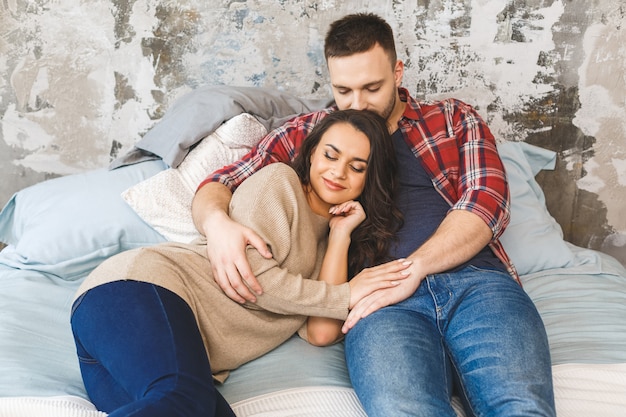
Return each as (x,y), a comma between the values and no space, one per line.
(226,249)
(226,243)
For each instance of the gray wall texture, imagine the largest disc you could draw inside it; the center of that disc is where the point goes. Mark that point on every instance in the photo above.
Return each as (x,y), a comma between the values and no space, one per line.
(80,82)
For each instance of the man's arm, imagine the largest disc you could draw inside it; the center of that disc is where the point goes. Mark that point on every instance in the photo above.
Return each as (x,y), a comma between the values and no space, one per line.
(228,257)
(459,237)
(480,205)
(226,239)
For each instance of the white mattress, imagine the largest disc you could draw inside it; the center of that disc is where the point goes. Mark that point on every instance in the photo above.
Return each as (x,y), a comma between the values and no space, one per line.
(61,406)
(596,390)
(581,390)
(309,402)
(302,402)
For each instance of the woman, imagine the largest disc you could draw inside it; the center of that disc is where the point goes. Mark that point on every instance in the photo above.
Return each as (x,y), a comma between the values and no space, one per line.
(153,329)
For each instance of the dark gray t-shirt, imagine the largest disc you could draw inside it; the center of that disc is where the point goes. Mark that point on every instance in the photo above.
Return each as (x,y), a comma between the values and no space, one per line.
(423,208)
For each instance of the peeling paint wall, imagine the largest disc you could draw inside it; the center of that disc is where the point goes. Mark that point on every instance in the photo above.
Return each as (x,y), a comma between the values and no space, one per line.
(80,82)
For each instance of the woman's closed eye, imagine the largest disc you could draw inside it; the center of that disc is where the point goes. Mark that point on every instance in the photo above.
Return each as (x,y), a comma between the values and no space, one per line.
(330,157)
(358,168)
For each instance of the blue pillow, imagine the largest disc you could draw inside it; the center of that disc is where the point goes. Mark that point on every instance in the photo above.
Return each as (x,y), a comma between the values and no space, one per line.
(533,239)
(68,225)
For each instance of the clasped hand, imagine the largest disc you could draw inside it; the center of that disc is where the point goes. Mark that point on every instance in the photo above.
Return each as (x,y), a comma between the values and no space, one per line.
(377,287)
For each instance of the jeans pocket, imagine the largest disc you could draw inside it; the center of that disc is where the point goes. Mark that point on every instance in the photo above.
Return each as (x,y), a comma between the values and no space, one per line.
(489,270)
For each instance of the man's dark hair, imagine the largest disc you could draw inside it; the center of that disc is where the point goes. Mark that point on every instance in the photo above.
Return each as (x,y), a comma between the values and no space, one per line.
(356,33)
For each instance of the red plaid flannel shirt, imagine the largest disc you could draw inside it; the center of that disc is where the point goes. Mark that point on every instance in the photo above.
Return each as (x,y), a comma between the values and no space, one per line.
(452,141)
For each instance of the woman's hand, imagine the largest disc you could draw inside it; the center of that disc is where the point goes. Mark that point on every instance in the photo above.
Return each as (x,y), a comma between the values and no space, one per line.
(346,217)
(393,293)
(379,277)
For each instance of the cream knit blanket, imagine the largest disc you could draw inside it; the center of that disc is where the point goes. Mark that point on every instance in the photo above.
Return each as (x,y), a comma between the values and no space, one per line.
(62,406)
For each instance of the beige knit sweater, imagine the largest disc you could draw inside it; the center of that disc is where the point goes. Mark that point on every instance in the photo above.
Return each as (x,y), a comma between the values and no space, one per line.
(272,203)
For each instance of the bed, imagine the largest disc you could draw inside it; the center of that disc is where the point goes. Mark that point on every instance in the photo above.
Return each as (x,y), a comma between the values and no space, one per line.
(57,231)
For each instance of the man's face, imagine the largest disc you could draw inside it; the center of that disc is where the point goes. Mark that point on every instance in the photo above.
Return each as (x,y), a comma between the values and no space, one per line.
(366,81)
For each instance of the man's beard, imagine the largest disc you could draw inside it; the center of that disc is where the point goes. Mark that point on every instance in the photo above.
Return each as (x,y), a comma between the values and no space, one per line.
(386,112)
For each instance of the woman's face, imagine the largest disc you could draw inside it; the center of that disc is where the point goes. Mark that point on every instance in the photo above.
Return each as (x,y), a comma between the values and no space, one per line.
(338,167)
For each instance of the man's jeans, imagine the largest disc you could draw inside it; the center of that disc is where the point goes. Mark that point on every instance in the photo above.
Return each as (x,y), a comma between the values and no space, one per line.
(141,353)
(475,330)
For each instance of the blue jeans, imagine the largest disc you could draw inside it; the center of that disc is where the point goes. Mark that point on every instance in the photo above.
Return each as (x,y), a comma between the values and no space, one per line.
(141,353)
(475,331)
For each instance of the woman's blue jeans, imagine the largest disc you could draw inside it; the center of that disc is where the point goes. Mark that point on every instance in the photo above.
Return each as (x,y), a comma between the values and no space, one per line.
(141,353)
(474,330)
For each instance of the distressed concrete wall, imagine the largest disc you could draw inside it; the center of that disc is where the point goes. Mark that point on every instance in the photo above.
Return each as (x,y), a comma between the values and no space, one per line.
(80,82)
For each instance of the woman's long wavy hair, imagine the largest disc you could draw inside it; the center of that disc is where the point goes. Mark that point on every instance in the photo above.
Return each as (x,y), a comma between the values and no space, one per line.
(371,240)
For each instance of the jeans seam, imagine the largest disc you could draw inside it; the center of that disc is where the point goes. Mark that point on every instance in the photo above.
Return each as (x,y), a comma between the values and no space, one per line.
(438,308)
(77,303)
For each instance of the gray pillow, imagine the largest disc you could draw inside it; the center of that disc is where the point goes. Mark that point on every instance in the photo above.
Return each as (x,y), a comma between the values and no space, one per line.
(200,112)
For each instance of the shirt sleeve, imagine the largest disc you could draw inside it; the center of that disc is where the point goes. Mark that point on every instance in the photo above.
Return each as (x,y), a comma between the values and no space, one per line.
(481,183)
(482,186)
(280,145)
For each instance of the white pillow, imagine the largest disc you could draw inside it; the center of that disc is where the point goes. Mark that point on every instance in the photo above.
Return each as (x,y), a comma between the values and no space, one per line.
(164,200)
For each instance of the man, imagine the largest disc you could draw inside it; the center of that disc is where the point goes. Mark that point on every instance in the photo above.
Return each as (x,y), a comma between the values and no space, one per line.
(460,320)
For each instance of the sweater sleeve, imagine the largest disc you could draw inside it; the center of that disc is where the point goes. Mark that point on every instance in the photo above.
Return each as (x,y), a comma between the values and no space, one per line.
(287,293)
(276,208)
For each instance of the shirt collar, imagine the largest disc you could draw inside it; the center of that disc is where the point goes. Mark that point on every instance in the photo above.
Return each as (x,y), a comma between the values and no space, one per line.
(412,109)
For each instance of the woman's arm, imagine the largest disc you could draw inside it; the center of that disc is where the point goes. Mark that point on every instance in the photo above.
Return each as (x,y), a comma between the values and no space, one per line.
(322,331)
(296,239)
(273,204)
(228,260)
